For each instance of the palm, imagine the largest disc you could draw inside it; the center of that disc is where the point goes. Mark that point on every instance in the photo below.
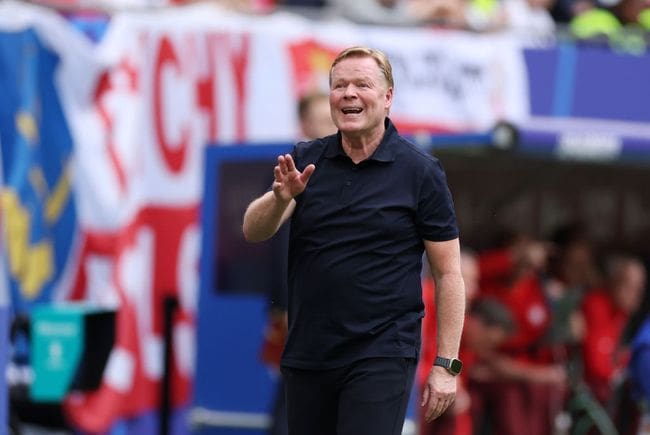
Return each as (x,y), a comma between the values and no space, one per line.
(289,181)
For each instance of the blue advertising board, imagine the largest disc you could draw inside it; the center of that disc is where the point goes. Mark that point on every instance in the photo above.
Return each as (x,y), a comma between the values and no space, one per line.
(234,390)
(588,80)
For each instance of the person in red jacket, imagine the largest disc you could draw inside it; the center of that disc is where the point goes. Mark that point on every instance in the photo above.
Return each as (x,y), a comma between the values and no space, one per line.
(520,386)
(606,313)
(487,325)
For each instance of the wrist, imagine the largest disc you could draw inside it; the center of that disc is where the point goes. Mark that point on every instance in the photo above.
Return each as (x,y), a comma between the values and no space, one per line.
(452,365)
(280,201)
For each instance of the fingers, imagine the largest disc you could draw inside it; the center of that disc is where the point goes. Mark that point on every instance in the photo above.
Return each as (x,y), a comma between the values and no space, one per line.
(277,173)
(442,387)
(282,165)
(286,164)
(435,403)
(290,165)
(306,174)
(437,406)
(425,395)
(290,182)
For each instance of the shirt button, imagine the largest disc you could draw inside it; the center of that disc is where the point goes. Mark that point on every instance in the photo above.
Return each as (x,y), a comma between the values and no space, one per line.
(348,183)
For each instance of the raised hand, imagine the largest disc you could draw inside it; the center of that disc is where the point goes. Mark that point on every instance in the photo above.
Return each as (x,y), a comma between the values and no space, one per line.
(289,182)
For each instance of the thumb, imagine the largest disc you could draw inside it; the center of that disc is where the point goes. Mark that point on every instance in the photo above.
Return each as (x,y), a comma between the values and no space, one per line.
(425,395)
(306,174)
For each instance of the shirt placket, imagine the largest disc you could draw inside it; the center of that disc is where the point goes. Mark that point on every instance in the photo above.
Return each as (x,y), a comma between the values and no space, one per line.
(350,181)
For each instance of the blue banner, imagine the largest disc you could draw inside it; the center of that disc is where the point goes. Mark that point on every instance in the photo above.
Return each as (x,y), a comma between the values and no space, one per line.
(588,81)
(36,198)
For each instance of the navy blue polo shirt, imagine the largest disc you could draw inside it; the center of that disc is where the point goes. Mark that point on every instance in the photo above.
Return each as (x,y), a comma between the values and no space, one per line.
(355,250)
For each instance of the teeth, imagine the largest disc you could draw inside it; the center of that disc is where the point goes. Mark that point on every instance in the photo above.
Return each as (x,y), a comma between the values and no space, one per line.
(356,110)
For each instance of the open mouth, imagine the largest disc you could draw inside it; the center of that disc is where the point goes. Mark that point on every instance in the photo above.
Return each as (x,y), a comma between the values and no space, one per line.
(351,110)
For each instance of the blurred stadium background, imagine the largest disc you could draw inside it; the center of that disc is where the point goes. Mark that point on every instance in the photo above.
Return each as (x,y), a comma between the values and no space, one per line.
(134,132)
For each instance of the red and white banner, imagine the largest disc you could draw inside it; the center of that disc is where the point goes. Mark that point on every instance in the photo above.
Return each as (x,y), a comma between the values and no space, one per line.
(143,103)
(218,76)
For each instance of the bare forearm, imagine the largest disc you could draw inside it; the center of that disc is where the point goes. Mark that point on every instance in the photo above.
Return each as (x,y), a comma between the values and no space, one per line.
(264,216)
(444,262)
(450,311)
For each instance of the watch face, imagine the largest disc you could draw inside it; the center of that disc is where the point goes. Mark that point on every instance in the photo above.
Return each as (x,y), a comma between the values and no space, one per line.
(455,366)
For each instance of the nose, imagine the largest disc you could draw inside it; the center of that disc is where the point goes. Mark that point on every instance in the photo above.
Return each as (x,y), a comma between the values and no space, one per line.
(350,91)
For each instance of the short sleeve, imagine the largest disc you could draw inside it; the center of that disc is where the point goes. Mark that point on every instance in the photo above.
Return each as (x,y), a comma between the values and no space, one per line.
(435,216)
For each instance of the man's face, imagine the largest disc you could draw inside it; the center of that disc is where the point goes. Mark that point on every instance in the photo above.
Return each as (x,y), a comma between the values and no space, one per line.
(359,96)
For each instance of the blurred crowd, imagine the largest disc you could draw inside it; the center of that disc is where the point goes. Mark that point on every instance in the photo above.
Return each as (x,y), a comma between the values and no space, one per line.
(583,18)
(550,332)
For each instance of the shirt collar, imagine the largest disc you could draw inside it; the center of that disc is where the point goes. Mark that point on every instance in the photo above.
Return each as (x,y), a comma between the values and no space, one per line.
(385,152)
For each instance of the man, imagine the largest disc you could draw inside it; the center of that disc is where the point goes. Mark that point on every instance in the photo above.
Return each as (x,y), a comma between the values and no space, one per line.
(364,205)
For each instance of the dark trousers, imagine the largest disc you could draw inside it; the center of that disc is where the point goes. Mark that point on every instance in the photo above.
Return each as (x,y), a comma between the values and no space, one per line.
(368,397)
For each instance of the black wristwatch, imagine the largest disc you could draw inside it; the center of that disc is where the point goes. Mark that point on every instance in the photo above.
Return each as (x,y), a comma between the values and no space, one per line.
(453,365)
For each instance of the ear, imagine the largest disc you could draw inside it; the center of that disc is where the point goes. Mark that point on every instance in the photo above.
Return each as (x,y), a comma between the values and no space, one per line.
(389,98)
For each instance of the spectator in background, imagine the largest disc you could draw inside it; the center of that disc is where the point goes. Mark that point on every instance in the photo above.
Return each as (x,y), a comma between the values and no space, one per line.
(634,12)
(595,22)
(606,312)
(314,116)
(315,122)
(524,17)
(521,386)
(302,3)
(245,6)
(563,11)
(487,325)
(310,9)
(572,272)
(449,13)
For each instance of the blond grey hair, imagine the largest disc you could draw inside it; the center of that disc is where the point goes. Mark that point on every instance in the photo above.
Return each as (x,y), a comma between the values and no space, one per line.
(382,61)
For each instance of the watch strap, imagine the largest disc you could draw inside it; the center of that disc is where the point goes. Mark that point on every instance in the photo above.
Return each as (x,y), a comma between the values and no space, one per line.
(453,365)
